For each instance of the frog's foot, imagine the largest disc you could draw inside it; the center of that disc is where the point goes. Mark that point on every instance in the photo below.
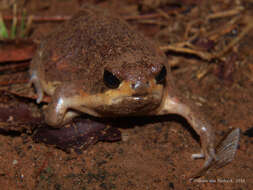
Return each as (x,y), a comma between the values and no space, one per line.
(214,158)
(34,80)
(60,110)
(56,111)
(225,153)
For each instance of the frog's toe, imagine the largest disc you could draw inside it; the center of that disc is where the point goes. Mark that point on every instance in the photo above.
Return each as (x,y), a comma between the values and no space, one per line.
(35,81)
(209,160)
(40,95)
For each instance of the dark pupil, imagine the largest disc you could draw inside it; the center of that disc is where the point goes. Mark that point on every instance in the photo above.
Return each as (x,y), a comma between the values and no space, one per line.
(110,80)
(160,78)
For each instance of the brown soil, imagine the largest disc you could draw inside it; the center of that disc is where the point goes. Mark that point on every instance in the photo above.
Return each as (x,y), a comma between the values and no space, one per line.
(156,155)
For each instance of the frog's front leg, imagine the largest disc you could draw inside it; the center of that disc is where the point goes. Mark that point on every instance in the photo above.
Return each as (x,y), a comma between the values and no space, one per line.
(56,113)
(58,110)
(67,102)
(219,157)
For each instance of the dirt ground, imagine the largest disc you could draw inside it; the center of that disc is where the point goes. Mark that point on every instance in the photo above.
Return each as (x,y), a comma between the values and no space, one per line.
(157,154)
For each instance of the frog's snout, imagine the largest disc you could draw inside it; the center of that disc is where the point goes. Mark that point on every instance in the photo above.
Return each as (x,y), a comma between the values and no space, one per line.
(140,88)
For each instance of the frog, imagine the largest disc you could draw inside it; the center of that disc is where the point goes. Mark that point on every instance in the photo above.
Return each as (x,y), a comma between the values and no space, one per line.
(97,64)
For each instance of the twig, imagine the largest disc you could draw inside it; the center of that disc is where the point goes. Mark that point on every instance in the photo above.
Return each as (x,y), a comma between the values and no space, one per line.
(13,66)
(189,27)
(214,35)
(179,47)
(28,25)
(64,18)
(59,18)
(6,83)
(226,13)
(142,17)
(40,18)
(203,55)
(154,22)
(163,14)
(234,41)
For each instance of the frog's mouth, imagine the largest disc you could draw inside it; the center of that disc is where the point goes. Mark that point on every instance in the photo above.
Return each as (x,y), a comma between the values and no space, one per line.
(136,99)
(129,105)
(124,101)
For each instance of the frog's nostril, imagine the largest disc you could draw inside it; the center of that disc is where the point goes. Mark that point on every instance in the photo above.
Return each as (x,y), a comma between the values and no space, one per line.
(139,85)
(135,85)
(140,88)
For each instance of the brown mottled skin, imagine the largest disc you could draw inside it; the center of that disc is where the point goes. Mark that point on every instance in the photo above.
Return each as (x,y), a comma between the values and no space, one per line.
(91,41)
(71,63)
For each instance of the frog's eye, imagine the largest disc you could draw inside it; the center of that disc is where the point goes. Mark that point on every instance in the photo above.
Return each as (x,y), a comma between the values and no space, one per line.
(110,80)
(160,77)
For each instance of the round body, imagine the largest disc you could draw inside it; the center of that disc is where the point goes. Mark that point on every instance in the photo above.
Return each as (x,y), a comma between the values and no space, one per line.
(99,56)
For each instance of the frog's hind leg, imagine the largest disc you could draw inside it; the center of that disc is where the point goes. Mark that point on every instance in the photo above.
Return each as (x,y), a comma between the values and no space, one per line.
(34,80)
(220,156)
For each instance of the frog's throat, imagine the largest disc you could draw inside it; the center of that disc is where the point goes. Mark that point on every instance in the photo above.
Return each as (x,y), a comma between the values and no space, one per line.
(89,103)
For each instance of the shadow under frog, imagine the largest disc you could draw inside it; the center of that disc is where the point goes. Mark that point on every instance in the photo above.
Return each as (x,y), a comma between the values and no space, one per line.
(97,64)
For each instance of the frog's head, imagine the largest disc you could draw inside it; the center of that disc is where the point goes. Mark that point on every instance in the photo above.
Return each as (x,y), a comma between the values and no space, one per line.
(129,84)
(135,85)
